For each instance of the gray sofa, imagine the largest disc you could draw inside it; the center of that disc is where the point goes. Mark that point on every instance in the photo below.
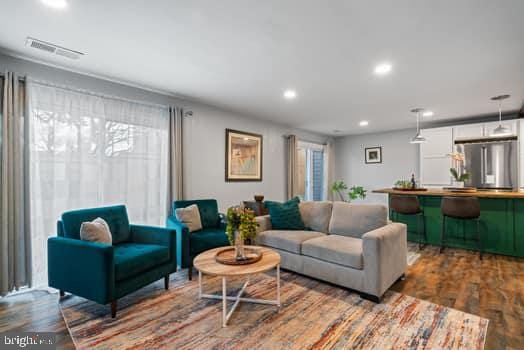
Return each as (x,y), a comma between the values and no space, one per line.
(351,245)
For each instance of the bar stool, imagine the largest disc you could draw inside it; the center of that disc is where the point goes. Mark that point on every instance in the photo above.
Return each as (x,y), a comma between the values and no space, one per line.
(409,205)
(460,208)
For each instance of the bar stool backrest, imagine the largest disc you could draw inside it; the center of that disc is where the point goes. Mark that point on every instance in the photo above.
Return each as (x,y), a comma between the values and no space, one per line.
(405,204)
(461,207)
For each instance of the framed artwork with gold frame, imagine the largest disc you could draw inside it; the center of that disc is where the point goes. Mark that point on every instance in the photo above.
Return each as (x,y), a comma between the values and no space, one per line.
(243,156)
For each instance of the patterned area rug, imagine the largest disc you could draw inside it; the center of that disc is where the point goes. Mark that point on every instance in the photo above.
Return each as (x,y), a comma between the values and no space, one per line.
(314,315)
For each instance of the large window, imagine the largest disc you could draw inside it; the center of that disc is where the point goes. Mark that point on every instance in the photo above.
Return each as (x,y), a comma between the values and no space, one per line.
(311,167)
(89,151)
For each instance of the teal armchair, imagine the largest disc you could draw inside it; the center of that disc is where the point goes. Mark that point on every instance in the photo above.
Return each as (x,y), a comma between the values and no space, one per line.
(104,273)
(212,235)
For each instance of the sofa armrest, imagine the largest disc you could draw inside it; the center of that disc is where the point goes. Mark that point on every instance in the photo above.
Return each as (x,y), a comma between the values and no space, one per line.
(182,241)
(385,257)
(155,235)
(82,268)
(264,223)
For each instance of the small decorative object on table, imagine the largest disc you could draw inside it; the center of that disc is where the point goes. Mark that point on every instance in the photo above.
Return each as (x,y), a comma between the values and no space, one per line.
(457,171)
(407,185)
(241,225)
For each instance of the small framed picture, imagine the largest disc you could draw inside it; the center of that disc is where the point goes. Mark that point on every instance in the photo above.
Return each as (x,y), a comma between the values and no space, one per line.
(373,155)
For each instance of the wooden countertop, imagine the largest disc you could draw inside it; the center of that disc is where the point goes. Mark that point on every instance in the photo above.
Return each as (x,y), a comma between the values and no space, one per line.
(439,192)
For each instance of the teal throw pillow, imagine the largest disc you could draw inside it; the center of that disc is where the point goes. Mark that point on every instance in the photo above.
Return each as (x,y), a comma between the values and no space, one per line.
(285,216)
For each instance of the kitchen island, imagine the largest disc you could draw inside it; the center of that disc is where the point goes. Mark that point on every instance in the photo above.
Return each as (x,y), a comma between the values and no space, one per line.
(501,220)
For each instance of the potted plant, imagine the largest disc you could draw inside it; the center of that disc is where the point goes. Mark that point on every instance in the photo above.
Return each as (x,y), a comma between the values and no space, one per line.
(457,170)
(355,192)
(241,226)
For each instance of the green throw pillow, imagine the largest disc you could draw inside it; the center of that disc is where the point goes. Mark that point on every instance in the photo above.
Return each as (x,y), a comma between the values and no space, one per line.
(285,216)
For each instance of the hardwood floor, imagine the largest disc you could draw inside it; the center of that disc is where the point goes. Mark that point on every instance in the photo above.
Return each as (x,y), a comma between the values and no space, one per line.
(492,288)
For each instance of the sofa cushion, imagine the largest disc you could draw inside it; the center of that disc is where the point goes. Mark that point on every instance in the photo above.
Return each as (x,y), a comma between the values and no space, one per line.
(316,215)
(290,241)
(133,258)
(356,219)
(206,239)
(341,250)
(115,216)
(285,216)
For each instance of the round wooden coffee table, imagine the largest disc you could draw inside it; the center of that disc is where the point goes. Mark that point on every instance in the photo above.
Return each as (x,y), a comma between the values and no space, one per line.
(206,264)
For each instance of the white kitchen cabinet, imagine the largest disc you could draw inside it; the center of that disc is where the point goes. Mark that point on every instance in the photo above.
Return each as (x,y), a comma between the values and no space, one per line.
(510,124)
(468,131)
(434,156)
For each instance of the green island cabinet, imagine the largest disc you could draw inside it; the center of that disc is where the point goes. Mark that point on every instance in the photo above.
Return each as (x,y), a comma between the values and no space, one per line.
(501,225)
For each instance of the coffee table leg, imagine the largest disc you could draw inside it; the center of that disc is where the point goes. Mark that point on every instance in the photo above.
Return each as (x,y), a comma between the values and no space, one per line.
(224,303)
(278,285)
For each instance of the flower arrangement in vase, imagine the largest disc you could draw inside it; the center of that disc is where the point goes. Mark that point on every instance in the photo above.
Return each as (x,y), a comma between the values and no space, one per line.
(457,170)
(241,225)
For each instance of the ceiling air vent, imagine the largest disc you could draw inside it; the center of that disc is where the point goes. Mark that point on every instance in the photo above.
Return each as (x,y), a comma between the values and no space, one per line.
(53,49)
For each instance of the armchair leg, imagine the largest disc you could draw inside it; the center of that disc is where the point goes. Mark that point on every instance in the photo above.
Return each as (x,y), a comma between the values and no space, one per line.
(113,309)
(62,293)
(190,273)
(166,282)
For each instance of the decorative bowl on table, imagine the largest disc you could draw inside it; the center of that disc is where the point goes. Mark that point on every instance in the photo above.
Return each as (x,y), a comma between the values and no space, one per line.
(259,197)
(227,256)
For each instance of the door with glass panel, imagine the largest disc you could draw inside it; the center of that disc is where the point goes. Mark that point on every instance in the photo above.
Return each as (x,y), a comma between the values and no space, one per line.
(311,171)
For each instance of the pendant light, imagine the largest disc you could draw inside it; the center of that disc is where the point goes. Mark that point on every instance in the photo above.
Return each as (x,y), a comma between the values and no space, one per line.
(500,130)
(418,138)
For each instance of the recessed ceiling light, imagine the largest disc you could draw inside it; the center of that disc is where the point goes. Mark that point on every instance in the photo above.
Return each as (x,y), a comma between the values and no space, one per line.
(428,114)
(363,123)
(383,68)
(290,94)
(56,4)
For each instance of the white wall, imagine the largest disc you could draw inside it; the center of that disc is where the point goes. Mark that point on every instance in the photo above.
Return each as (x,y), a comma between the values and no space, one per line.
(204,136)
(399,160)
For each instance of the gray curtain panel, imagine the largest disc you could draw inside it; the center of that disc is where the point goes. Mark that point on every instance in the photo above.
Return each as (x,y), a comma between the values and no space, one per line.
(330,168)
(291,166)
(15,235)
(176,173)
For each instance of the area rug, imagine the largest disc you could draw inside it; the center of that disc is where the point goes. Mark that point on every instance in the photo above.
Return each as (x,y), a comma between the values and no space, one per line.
(314,315)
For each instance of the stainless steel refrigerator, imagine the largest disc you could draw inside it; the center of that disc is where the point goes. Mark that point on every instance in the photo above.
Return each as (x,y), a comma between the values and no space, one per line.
(491,163)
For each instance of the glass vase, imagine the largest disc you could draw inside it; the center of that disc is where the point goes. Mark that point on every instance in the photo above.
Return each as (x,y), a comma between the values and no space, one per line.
(239,246)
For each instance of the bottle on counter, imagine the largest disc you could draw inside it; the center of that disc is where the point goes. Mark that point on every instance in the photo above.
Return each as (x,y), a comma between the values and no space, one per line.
(413,182)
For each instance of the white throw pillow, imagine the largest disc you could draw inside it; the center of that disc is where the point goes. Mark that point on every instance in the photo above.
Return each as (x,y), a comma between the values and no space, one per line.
(96,231)
(189,216)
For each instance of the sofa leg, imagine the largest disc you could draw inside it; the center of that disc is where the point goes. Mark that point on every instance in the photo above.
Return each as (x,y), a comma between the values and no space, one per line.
(371,297)
(113,309)
(190,273)
(62,293)
(166,282)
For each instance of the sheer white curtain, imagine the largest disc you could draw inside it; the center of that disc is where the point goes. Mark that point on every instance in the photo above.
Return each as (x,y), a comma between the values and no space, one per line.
(89,150)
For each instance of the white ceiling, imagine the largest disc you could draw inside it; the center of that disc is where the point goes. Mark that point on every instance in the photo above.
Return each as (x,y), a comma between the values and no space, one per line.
(449,56)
